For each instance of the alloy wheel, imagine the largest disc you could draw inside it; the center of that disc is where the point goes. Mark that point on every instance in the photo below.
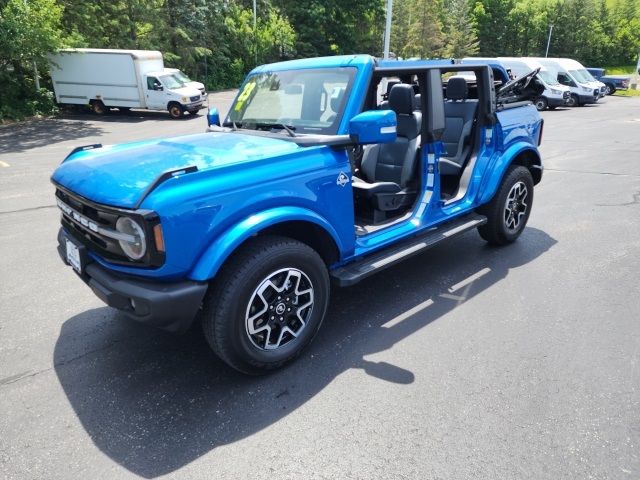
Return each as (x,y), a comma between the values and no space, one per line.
(279,309)
(516,206)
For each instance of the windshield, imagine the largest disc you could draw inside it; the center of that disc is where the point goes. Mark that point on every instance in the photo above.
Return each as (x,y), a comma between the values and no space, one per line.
(577,74)
(307,101)
(181,77)
(171,82)
(585,73)
(547,77)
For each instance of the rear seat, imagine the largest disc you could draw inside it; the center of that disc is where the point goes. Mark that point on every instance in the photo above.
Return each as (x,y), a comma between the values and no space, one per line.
(459,114)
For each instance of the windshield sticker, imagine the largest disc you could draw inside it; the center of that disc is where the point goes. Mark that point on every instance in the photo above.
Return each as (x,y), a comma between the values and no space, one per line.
(246,91)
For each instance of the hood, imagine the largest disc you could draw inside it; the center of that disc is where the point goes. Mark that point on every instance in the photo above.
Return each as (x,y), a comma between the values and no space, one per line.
(119,175)
(197,85)
(186,91)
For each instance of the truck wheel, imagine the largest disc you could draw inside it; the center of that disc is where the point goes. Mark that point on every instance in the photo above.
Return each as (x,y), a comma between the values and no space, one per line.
(507,213)
(609,89)
(176,110)
(266,304)
(98,107)
(573,101)
(541,104)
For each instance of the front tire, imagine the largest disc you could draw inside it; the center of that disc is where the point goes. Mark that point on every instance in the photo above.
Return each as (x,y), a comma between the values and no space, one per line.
(508,212)
(176,110)
(609,89)
(541,104)
(573,101)
(266,304)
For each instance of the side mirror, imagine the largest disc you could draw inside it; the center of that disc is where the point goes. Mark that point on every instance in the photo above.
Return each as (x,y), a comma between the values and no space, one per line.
(373,126)
(213,117)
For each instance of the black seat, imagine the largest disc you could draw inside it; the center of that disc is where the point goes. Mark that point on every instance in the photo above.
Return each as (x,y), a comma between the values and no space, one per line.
(388,171)
(459,117)
(336,99)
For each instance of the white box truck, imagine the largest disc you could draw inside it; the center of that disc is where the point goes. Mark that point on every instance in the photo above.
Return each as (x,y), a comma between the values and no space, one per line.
(122,79)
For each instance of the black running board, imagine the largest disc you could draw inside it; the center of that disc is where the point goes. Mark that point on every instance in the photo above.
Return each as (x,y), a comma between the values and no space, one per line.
(354,272)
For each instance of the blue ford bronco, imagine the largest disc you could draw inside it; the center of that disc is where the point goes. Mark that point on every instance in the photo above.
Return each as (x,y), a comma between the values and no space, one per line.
(325,169)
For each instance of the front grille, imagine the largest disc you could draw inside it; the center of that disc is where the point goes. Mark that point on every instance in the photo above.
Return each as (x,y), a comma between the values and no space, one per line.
(95,227)
(195,99)
(596,92)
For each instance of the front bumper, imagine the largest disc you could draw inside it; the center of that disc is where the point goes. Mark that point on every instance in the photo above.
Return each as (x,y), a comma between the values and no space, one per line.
(585,99)
(169,306)
(193,105)
(556,102)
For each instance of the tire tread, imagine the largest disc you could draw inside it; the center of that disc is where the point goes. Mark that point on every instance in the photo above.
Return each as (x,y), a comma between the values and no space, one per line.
(227,283)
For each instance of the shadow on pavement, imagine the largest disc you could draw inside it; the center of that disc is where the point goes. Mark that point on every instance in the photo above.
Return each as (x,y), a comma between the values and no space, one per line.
(24,136)
(133,116)
(39,133)
(154,402)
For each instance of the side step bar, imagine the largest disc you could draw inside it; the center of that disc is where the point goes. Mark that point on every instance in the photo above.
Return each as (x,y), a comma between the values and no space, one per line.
(354,272)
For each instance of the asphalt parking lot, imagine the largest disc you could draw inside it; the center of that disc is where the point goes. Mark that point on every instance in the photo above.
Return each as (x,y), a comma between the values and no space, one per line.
(468,362)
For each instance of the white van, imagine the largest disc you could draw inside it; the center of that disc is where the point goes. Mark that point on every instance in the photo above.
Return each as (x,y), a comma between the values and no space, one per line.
(568,72)
(554,95)
(187,81)
(120,79)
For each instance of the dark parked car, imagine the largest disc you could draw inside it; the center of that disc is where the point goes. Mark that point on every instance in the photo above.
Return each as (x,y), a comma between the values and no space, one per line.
(612,82)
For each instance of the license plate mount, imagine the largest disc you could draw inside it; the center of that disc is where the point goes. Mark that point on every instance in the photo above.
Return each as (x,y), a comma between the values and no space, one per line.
(73,256)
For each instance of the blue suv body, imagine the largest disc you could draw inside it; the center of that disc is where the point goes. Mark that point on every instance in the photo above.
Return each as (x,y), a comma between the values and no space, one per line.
(326,168)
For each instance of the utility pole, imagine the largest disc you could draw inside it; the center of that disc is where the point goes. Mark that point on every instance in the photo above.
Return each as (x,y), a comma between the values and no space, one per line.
(255,29)
(546,54)
(36,77)
(387,29)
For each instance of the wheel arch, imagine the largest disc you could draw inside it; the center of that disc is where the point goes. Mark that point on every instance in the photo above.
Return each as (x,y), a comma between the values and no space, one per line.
(523,155)
(531,160)
(298,223)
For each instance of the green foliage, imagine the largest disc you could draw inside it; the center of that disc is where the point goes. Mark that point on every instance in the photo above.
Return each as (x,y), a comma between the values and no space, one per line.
(28,31)
(589,31)
(216,42)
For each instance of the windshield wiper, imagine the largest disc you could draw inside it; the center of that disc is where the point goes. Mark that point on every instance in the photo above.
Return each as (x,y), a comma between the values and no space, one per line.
(234,125)
(290,129)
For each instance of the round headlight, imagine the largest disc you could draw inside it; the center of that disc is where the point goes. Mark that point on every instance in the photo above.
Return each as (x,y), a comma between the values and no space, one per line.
(137,247)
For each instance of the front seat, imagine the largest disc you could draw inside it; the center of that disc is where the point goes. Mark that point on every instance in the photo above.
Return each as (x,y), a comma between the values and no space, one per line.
(459,115)
(388,171)
(335,101)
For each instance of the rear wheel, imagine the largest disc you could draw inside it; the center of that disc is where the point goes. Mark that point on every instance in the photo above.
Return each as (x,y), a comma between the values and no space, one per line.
(573,101)
(98,107)
(508,212)
(176,110)
(541,104)
(266,304)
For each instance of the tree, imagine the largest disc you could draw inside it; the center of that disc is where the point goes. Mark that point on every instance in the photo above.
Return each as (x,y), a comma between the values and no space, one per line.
(461,39)
(28,32)
(425,38)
